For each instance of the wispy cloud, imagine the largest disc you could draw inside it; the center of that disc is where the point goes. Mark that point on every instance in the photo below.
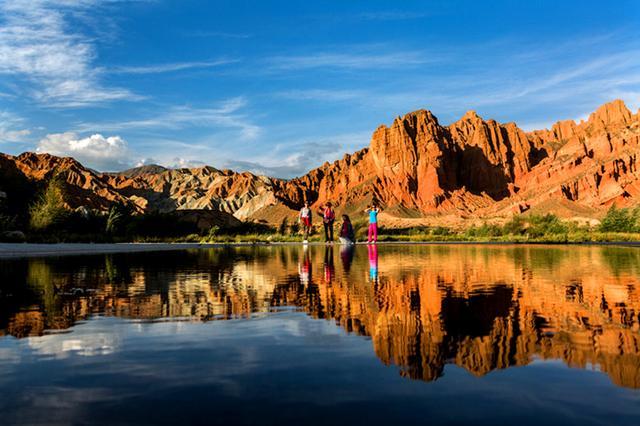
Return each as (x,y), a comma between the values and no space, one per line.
(39,45)
(171,67)
(12,128)
(218,34)
(391,15)
(351,60)
(321,94)
(504,83)
(288,160)
(227,114)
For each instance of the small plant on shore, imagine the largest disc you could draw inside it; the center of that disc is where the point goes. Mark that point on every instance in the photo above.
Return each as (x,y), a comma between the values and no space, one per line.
(483,231)
(114,220)
(295,228)
(7,223)
(49,210)
(441,231)
(548,224)
(284,226)
(514,227)
(214,231)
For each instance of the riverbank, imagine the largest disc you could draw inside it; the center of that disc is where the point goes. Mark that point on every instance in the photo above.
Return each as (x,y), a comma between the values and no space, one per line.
(8,250)
(17,250)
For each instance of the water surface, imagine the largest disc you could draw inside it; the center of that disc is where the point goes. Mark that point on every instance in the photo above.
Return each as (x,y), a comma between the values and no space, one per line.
(438,334)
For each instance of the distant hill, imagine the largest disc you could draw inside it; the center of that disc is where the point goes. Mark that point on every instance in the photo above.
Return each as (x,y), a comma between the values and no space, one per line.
(417,169)
(147,169)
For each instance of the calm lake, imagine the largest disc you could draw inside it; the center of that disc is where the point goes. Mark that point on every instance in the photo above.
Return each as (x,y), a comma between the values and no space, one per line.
(428,334)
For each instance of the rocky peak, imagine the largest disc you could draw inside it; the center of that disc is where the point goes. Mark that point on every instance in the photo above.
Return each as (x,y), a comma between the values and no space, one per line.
(413,165)
(611,113)
(147,169)
(470,115)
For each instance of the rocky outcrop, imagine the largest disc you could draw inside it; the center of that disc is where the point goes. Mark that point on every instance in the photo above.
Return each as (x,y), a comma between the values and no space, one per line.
(472,168)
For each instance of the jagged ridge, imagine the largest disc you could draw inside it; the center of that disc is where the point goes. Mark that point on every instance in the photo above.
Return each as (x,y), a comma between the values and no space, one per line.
(472,167)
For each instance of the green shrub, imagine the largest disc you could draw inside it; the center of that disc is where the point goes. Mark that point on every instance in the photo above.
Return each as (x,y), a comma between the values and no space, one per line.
(361,228)
(483,231)
(7,223)
(548,224)
(114,220)
(214,232)
(441,230)
(284,226)
(514,227)
(295,228)
(620,220)
(49,210)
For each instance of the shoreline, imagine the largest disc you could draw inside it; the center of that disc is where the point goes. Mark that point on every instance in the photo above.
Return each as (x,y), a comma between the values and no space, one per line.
(23,250)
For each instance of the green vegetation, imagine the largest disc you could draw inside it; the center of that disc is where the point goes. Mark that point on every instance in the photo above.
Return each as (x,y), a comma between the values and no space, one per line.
(621,220)
(7,222)
(47,220)
(618,225)
(114,220)
(49,210)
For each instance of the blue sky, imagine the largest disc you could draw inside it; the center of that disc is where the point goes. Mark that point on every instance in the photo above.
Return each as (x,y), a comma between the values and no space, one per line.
(279,87)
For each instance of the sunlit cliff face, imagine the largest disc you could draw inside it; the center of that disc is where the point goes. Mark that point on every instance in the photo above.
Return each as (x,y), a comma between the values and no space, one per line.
(479,307)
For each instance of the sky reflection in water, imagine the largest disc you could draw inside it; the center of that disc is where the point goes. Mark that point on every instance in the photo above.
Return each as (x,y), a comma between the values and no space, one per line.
(443,334)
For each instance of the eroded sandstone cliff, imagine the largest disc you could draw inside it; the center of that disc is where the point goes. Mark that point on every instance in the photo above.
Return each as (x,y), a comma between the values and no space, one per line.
(415,167)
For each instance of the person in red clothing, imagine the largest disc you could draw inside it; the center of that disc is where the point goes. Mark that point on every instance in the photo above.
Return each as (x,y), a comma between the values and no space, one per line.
(328,218)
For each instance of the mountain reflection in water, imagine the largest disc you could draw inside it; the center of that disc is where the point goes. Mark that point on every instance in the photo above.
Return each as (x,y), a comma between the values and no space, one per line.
(480,307)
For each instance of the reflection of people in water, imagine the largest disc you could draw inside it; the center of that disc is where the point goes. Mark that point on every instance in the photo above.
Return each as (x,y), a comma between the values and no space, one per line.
(304,267)
(346,254)
(329,269)
(373,262)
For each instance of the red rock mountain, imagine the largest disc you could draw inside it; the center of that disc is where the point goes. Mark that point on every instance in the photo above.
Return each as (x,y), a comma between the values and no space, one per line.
(414,168)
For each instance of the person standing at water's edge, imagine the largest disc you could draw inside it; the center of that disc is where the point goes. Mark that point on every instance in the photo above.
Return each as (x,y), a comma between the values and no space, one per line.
(328,218)
(347,236)
(305,218)
(372,234)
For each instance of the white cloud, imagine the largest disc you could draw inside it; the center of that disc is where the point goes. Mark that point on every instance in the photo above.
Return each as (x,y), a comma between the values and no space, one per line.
(183,163)
(226,114)
(11,128)
(146,162)
(351,60)
(219,34)
(172,67)
(39,45)
(323,95)
(97,151)
(295,159)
